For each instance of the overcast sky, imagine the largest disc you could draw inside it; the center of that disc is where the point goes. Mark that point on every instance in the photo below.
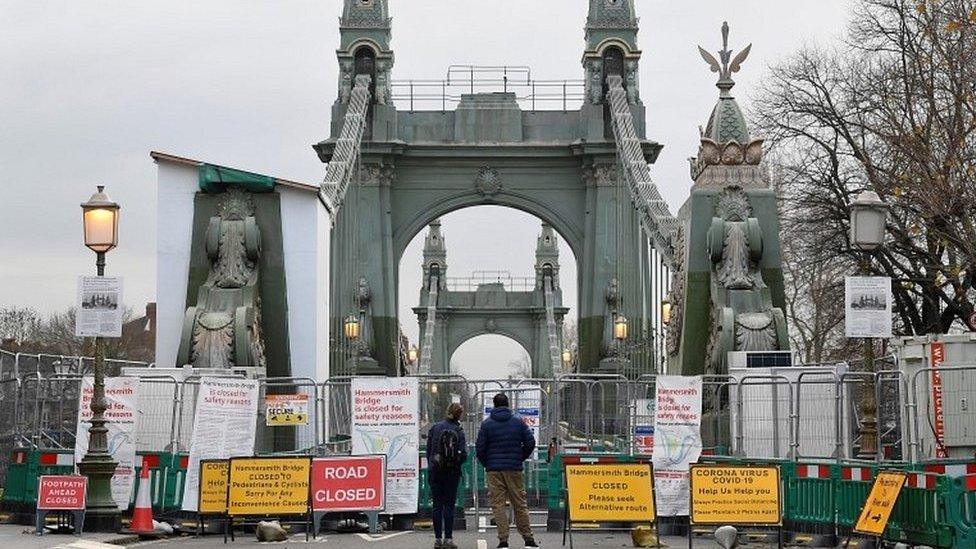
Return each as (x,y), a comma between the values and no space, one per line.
(88,88)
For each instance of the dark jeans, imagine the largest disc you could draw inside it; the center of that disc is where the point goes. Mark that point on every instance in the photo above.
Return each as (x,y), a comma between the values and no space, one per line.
(443,490)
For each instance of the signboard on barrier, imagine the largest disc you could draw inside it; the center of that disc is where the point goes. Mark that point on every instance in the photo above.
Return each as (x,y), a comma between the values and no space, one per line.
(735,494)
(881,501)
(286,410)
(213,487)
(386,420)
(61,493)
(268,486)
(224,425)
(618,492)
(122,414)
(347,483)
(609,492)
(937,352)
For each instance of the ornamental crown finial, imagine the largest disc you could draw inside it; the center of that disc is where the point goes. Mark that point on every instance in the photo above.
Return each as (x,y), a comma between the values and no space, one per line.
(728,65)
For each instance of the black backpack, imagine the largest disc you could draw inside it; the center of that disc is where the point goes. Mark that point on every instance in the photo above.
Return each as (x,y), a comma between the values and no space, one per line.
(447,449)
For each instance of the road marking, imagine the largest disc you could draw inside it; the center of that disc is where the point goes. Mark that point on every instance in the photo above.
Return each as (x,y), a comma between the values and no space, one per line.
(482,544)
(368,537)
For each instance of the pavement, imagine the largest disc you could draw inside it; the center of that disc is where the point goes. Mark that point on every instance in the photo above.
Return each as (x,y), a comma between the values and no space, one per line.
(423,540)
(16,536)
(22,537)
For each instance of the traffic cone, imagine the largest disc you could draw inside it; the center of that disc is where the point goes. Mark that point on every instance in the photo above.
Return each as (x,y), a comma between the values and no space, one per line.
(142,520)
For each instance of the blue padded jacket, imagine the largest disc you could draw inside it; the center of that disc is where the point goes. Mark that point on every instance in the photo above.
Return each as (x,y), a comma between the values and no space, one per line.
(504,441)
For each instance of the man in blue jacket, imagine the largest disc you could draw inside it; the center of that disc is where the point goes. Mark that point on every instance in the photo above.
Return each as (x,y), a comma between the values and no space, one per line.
(504,443)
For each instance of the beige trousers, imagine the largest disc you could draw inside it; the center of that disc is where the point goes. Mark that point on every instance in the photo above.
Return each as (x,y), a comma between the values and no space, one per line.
(509,486)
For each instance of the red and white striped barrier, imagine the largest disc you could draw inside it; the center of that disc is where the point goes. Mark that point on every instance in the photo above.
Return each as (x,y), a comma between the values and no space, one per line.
(954,471)
(52,458)
(148,460)
(924,481)
(863,474)
(812,471)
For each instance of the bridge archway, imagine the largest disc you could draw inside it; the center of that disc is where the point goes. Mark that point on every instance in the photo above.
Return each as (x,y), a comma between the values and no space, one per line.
(524,303)
(510,358)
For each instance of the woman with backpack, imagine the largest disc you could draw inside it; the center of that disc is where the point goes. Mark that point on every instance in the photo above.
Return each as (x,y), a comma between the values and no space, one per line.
(446,453)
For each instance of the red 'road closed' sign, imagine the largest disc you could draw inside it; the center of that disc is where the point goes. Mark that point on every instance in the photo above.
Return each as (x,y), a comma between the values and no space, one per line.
(61,492)
(348,483)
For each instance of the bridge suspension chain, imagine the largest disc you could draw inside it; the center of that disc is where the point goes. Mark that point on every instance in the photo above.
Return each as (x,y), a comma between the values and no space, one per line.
(427,347)
(659,224)
(339,171)
(553,330)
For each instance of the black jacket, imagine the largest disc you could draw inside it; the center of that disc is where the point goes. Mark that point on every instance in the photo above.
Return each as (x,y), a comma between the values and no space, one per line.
(434,443)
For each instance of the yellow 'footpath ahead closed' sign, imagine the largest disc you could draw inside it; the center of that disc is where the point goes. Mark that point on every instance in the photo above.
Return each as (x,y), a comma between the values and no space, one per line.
(881,501)
(213,487)
(268,486)
(614,492)
(731,494)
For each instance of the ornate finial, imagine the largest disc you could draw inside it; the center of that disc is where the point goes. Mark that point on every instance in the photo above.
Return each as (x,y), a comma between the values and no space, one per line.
(726,68)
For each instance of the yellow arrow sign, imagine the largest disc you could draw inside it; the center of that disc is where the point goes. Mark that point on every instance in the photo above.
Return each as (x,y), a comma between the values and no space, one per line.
(881,501)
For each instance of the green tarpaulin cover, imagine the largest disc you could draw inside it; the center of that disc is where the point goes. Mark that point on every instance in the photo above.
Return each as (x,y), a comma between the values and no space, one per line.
(215,179)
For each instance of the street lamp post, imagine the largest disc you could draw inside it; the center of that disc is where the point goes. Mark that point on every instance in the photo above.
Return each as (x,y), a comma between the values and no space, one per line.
(567,357)
(869,215)
(412,355)
(350,329)
(101,223)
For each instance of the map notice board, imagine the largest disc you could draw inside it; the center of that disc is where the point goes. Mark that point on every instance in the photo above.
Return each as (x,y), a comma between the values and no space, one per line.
(735,494)
(618,492)
(268,486)
(386,420)
(881,501)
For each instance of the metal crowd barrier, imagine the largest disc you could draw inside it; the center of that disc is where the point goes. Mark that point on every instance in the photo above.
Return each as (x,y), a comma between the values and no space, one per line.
(807,425)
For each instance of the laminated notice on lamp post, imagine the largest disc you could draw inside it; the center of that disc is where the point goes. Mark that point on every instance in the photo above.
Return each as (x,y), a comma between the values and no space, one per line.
(98,310)
(868,306)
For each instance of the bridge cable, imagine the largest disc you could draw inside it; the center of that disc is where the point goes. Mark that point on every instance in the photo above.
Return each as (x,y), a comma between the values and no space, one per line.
(339,171)
(656,218)
(427,347)
(552,329)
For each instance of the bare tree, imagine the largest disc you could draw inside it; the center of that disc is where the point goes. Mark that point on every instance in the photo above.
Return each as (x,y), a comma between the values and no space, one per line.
(19,324)
(894,111)
(521,367)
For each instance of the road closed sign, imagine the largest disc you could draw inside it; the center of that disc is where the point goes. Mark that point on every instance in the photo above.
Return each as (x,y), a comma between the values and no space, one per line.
(733,494)
(618,492)
(268,486)
(61,492)
(286,410)
(881,501)
(348,483)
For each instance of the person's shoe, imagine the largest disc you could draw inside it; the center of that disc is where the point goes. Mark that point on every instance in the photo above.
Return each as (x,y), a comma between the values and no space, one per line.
(502,544)
(449,544)
(438,544)
(531,544)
